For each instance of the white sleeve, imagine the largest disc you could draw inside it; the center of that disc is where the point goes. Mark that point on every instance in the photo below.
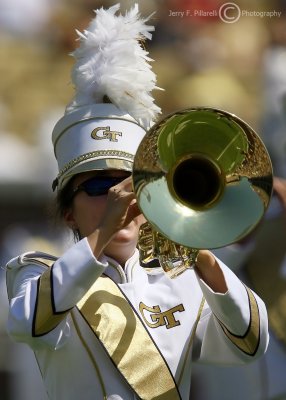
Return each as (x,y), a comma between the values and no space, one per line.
(234,329)
(41,297)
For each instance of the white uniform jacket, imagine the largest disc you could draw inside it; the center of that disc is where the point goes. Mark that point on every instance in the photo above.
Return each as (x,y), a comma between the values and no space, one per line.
(101,332)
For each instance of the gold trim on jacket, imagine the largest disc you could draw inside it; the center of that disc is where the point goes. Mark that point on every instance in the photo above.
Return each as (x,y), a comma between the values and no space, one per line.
(249,342)
(129,345)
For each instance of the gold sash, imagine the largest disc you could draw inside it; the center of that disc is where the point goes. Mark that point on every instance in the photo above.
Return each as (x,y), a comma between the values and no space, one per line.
(129,345)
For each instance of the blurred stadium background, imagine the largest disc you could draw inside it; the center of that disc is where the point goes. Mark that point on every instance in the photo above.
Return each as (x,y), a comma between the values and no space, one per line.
(199,60)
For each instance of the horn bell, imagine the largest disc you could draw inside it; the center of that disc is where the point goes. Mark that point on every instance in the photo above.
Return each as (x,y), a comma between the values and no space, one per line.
(203,178)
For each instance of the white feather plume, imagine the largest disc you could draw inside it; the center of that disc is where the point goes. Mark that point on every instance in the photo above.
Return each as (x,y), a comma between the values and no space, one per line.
(110,61)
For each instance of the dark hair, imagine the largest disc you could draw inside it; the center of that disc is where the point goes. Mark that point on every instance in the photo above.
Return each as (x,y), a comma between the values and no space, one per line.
(64,201)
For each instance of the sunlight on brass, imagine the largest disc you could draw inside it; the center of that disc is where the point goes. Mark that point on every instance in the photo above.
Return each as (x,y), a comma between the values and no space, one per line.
(203,180)
(173,258)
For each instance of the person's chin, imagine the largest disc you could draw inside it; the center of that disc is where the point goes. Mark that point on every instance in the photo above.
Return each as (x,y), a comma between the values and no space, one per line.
(124,236)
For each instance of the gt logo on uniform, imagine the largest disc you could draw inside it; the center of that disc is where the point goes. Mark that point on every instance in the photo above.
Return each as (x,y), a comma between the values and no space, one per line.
(158,318)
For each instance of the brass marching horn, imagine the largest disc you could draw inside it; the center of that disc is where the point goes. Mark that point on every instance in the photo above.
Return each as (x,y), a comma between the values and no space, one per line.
(203,180)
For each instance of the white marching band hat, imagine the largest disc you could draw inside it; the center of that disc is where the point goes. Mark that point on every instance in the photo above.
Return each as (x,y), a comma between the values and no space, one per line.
(110,64)
(97,137)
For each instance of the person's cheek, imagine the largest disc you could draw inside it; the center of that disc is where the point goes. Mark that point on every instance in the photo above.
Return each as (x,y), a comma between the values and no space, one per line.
(140,220)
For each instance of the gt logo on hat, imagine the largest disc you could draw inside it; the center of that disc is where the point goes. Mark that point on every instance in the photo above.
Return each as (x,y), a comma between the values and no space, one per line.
(106,133)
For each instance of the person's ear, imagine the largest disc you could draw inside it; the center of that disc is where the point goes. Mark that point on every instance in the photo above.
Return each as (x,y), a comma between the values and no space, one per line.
(70,220)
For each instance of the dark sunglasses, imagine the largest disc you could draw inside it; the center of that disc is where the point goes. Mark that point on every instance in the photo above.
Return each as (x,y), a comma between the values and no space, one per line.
(98,185)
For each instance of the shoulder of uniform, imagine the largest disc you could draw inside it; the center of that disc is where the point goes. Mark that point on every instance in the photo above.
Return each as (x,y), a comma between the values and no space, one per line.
(32,257)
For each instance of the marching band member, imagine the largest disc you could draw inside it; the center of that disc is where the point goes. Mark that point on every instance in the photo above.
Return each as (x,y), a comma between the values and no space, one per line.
(100,325)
